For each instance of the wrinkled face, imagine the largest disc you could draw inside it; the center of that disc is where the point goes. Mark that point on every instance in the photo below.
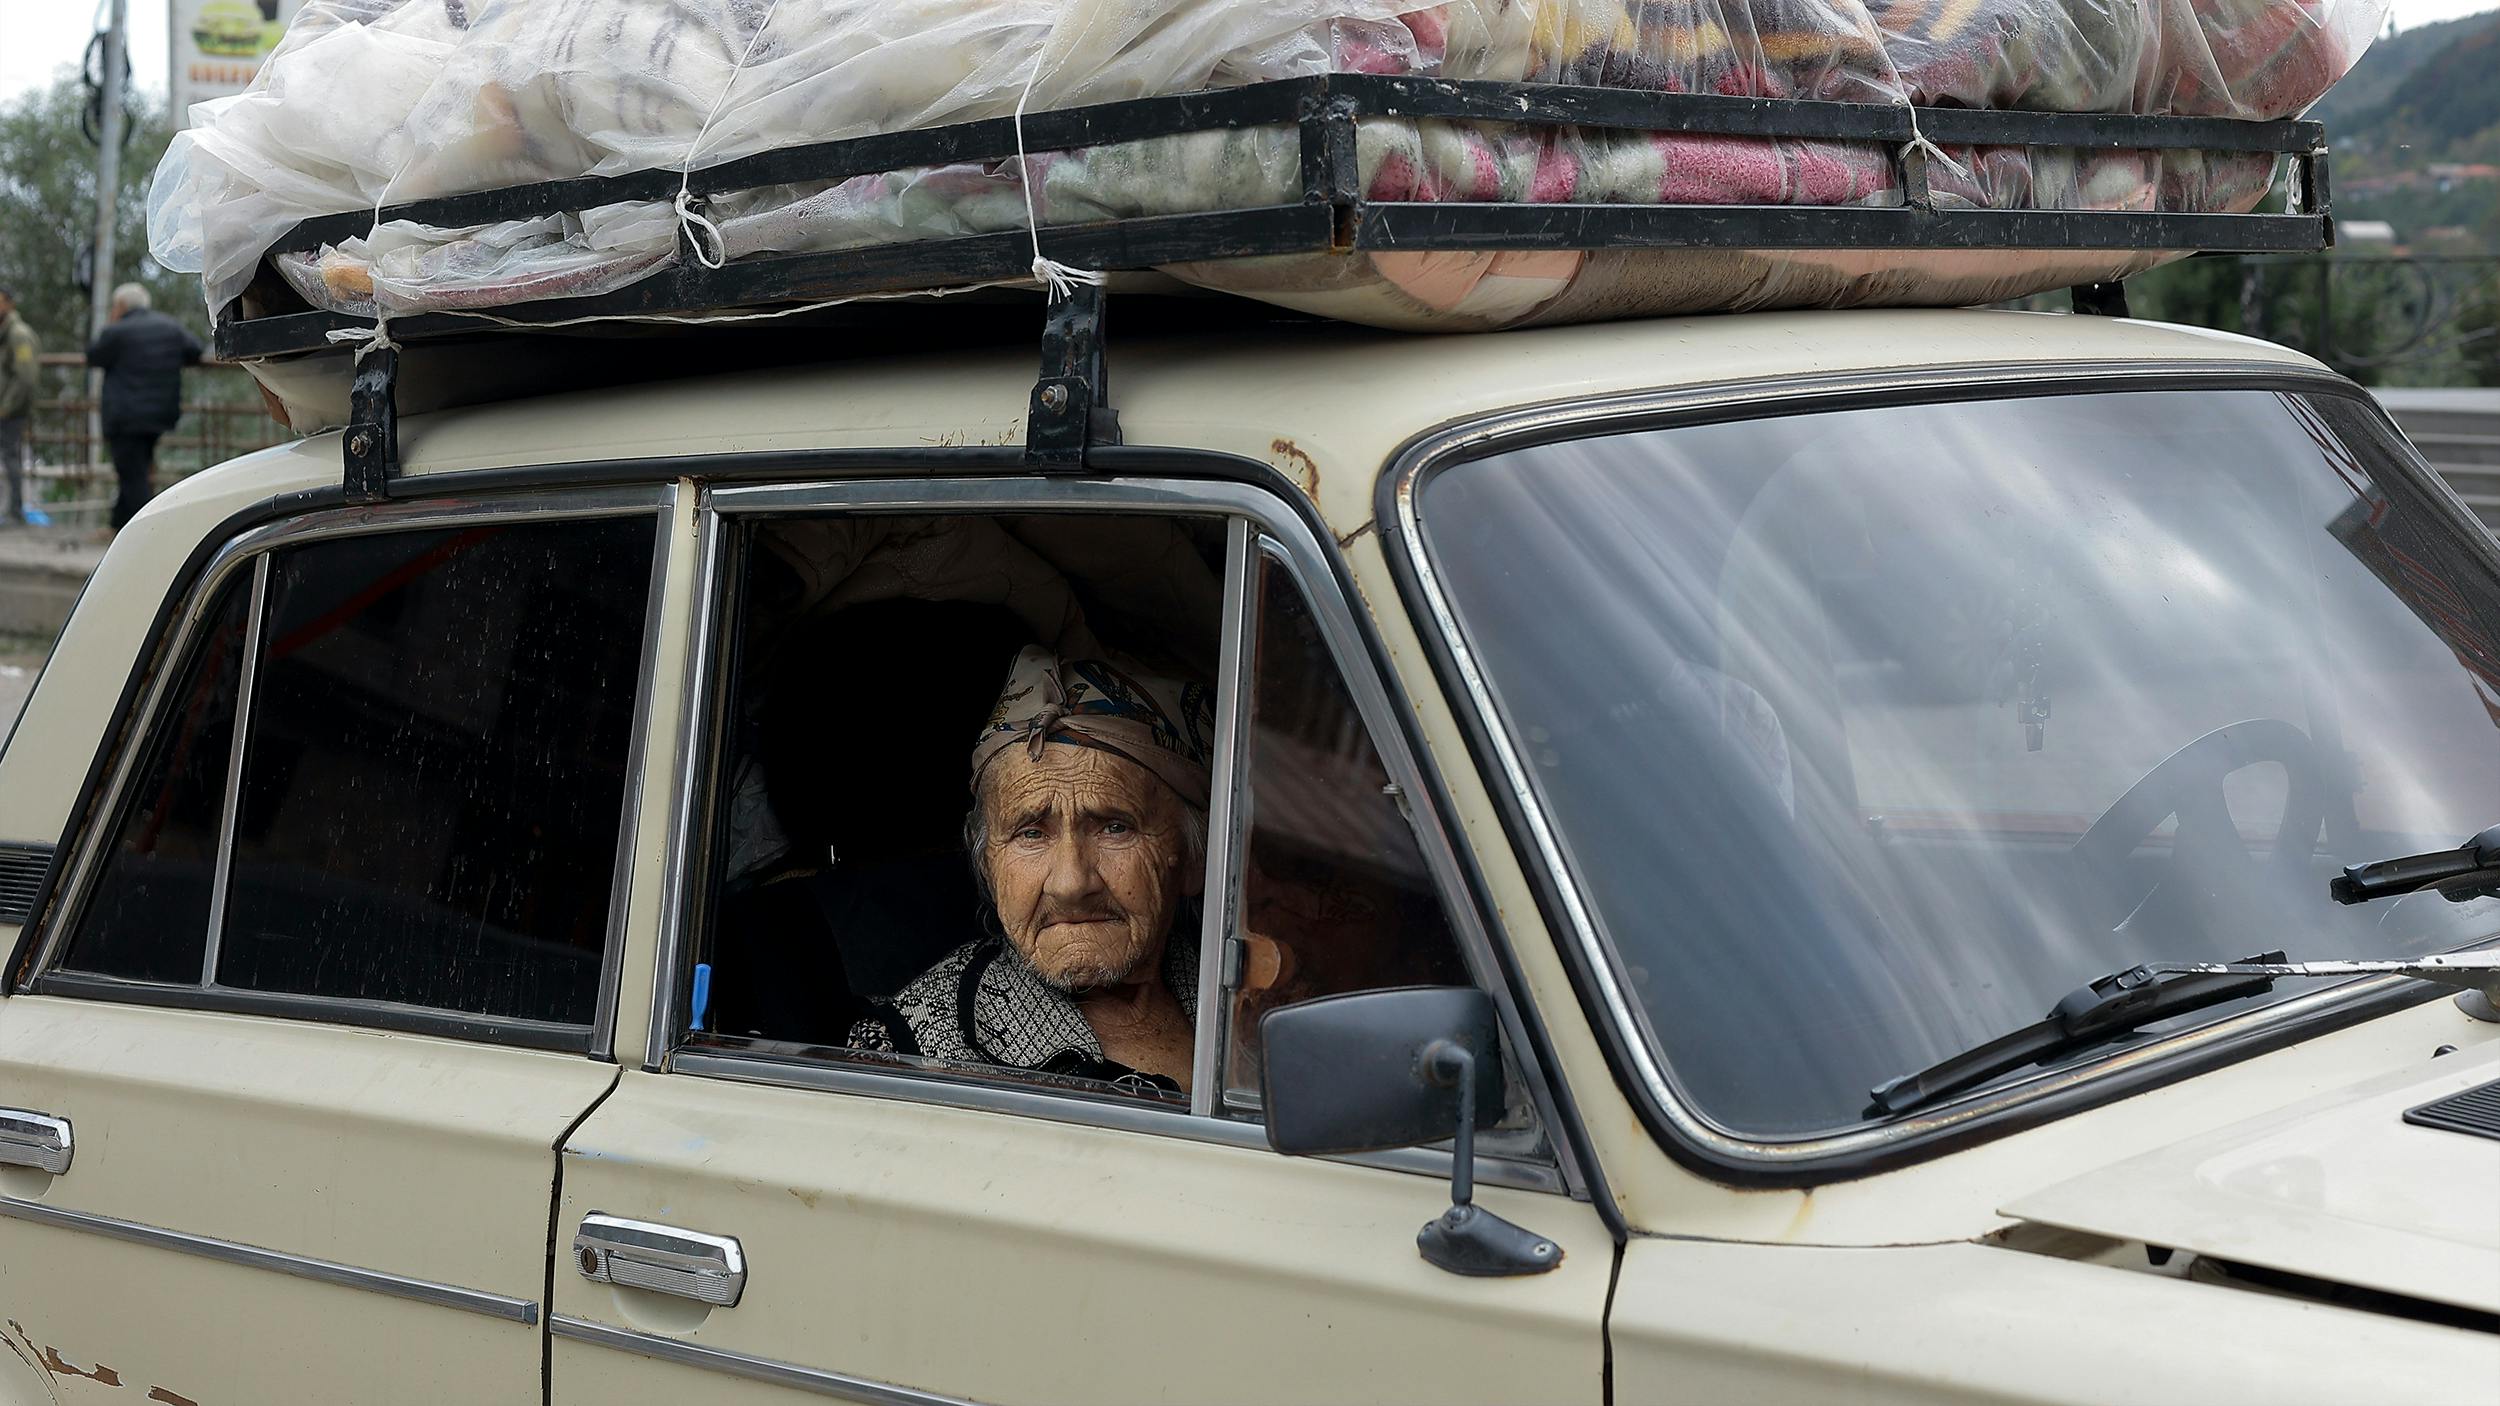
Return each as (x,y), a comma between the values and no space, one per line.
(1087,857)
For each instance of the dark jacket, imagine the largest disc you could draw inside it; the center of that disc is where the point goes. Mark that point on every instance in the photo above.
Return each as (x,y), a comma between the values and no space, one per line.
(142,357)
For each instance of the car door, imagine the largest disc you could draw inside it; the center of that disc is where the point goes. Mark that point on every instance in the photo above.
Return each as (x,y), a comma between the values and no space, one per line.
(331,974)
(759,1209)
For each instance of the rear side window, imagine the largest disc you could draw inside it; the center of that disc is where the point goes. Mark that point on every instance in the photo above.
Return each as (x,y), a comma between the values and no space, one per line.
(434,731)
(434,768)
(148,920)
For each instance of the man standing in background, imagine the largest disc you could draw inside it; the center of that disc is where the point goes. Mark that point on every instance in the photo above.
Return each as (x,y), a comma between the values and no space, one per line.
(17,400)
(142,353)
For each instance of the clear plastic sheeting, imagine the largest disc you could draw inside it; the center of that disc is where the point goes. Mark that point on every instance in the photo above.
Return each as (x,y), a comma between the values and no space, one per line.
(369,103)
(403,266)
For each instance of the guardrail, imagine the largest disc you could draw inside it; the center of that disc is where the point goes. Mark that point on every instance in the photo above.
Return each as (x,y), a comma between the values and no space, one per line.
(2458,431)
(2378,317)
(222,416)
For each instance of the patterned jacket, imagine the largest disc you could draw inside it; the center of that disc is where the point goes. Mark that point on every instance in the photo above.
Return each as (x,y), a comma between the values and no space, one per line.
(984,1004)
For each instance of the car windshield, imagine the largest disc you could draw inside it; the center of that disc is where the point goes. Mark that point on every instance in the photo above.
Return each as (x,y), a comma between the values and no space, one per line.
(1866,735)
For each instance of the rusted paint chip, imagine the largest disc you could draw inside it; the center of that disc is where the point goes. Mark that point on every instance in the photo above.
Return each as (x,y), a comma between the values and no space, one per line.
(1303,468)
(52,1363)
(172,1398)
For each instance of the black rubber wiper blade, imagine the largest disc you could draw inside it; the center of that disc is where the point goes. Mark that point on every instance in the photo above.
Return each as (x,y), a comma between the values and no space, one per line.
(2471,870)
(2111,1008)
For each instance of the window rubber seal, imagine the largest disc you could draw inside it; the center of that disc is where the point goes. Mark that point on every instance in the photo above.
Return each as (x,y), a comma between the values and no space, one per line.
(187,589)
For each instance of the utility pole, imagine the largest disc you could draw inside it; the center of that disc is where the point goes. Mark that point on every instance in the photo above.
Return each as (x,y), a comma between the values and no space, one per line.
(107,214)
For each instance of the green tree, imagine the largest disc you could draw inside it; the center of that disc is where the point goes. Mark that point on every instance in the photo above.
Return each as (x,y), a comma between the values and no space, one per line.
(47,223)
(47,214)
(2478,331)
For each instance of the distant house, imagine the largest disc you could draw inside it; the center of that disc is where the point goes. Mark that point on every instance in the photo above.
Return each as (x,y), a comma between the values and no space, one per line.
(2349,232)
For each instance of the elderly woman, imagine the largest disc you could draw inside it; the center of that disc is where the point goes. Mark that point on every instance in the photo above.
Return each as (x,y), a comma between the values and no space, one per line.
(1088,834)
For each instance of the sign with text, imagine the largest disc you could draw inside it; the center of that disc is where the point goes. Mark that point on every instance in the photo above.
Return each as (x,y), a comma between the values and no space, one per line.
(217,46)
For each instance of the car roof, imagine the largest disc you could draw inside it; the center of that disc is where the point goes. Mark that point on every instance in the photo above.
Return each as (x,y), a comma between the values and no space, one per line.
(1326,404)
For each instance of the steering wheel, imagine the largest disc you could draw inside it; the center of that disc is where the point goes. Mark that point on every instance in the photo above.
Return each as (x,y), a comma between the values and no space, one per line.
(2209,852)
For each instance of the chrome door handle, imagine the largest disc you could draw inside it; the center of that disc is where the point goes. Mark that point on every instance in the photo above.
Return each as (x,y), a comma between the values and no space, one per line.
(640,1255)
(36,1140)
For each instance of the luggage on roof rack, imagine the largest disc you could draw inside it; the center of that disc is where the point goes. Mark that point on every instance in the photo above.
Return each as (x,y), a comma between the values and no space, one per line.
(1334,246)
(404,172)
(1336,223)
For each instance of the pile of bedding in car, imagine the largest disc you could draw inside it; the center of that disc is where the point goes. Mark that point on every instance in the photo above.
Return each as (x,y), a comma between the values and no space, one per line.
(368,103)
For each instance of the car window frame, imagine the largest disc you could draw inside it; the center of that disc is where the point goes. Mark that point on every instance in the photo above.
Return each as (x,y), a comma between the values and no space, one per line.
(180,631)
(1258,525)
(1675,1122)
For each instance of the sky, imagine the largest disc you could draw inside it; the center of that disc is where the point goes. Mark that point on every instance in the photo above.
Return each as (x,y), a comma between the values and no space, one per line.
(39,38)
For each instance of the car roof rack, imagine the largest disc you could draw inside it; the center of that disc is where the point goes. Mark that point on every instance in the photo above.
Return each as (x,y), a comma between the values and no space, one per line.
(1332,217)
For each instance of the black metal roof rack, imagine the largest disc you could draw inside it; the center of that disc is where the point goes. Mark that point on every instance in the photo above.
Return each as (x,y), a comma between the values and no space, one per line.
(1332,215)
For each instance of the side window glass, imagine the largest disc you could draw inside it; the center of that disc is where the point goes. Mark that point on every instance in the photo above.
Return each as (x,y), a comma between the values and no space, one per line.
(435,768)
(961,788)
(1335,894)
(146,918)
(959,799)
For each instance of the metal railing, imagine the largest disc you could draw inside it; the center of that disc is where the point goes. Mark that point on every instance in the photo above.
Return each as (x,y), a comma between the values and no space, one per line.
(2402,319)
(72,481)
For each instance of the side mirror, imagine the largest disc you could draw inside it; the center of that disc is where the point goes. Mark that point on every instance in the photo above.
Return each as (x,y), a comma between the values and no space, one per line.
(1383,1069)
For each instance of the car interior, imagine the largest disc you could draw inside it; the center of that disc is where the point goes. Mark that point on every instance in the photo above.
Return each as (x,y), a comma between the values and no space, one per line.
(863,656)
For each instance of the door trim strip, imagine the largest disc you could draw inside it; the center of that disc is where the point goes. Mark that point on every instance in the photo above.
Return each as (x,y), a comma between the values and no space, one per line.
(521,1311)
(739,1364)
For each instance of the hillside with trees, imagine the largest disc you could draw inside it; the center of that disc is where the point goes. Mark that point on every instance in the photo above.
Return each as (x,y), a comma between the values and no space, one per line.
(2415,130)
(2416,135)
(2425,95)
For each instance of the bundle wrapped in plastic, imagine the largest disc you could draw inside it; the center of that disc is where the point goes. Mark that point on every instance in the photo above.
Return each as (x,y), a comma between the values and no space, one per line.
(369,103)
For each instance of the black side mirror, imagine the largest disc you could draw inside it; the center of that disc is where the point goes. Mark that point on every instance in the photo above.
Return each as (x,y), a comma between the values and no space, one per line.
(1383,1069)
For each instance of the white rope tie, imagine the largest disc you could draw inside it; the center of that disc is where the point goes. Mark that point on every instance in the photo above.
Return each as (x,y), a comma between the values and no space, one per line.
(690,219)
(1919,142)
(713,255)
(366,340)
(709,319)
(1060,279)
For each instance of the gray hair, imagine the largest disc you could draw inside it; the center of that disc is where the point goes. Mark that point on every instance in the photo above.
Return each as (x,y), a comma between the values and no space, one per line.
(977,838)
(134,297)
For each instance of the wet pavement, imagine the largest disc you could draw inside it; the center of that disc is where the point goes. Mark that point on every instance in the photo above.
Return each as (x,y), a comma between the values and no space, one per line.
(42,570)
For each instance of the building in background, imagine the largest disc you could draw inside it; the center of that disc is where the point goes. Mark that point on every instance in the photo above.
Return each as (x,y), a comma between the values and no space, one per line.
(217,45)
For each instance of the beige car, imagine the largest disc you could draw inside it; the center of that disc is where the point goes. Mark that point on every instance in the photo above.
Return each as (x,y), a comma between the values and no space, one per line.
(1738,779)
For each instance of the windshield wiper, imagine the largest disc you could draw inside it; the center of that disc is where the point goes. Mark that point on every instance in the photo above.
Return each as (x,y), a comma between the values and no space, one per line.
(2471,870)
(2124,1002)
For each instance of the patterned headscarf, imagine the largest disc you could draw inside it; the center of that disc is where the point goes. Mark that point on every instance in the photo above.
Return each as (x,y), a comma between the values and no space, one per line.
(1163,725)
